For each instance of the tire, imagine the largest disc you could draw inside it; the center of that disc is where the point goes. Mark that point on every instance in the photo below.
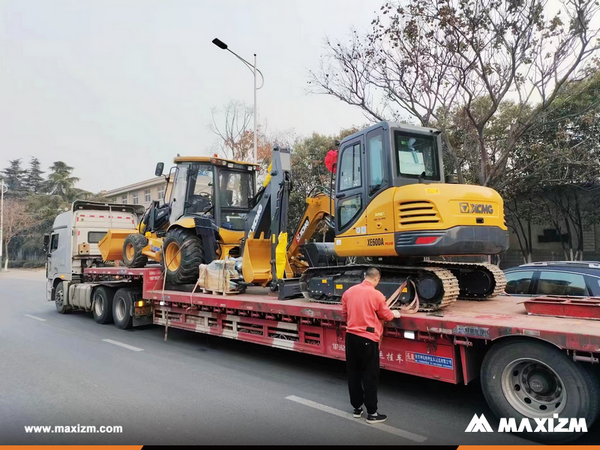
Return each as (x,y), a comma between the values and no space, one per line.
(534,379)
(121,308)
(59,299)
(132,250)
(102,304)
(182,256)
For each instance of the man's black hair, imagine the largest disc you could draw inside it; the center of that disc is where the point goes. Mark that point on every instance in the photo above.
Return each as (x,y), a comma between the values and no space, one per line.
(372,272)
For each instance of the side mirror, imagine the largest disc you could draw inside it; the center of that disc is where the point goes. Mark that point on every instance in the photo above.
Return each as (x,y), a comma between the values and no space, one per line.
(451,179)
(46,243)
(159,169)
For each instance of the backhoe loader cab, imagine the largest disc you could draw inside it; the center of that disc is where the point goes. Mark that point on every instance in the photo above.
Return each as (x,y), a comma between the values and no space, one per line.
(202,219)
(212,188)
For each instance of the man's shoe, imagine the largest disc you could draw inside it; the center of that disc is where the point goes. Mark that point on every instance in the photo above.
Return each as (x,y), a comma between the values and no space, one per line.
(376,418)
(358,412)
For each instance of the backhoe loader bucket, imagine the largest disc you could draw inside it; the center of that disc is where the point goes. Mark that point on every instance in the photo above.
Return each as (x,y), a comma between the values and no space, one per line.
(256,264)
(111,245)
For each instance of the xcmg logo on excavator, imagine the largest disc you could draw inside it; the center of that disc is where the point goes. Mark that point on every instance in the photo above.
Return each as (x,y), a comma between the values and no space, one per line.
(475,208)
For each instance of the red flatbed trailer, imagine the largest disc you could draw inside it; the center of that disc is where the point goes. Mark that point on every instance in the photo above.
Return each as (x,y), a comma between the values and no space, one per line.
(451,345)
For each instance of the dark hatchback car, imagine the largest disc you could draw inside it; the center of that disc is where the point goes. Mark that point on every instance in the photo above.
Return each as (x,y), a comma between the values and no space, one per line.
(572,278)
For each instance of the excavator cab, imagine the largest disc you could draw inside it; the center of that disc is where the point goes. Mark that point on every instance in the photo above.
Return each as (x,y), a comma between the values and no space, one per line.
(391,199)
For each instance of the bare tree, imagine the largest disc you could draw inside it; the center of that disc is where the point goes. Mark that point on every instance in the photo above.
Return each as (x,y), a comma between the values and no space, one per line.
(17,220)
(434,59)
(233,133)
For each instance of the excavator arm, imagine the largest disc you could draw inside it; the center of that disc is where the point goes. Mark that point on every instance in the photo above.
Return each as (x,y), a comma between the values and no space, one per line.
(318,209)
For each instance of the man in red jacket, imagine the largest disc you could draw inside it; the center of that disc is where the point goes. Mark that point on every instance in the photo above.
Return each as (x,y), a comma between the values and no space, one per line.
(364,309)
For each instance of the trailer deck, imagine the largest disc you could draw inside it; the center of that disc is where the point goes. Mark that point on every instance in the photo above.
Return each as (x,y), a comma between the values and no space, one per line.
(437,345)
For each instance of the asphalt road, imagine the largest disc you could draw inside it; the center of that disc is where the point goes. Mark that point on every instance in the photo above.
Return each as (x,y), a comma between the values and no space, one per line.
(198,389)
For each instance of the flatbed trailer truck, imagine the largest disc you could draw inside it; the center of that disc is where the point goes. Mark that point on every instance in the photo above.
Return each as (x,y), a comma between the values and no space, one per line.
(530,366)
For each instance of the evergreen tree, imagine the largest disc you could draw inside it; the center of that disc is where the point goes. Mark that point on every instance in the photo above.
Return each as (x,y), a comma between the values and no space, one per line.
(34,182)
(60,182)
(13,177)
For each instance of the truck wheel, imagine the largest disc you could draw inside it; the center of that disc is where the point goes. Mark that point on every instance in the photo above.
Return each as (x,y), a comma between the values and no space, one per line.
(59,299)
(121,308)
(103,300)
(182,256)
(536,380)
(132,250)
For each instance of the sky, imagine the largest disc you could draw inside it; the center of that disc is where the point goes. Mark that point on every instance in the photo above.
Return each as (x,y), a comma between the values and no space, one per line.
(111,87)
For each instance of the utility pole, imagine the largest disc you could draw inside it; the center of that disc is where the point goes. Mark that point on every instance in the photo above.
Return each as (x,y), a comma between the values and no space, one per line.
(3,189)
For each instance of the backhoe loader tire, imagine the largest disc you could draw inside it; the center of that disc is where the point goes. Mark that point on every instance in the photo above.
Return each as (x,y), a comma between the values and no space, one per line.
(132,250)
(182,256)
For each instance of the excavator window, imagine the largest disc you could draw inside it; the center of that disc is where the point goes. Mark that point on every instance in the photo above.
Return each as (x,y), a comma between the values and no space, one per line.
(376,161)
(348,209)
(350,168)
(417,156)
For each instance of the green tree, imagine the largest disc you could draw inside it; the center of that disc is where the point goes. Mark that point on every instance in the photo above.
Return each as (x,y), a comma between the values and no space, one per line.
(553,175)
(309,171)
(60,181)
(13,177)
(33,180)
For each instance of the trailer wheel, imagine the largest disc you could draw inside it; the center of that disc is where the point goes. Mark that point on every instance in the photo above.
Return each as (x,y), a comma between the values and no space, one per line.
(182,256)
(59,299)
(121,308)
(132,250)
(103,300)
(536,380)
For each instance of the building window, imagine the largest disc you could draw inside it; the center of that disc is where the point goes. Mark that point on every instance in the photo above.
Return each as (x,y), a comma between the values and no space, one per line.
(161,193)
(147,197)
(124,199)
(135,198)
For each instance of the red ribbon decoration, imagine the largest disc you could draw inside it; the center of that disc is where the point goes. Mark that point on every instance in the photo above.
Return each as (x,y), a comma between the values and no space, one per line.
(331,160)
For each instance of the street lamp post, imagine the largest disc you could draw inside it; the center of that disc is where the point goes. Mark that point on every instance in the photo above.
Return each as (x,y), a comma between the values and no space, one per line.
(3,189)
(222,45)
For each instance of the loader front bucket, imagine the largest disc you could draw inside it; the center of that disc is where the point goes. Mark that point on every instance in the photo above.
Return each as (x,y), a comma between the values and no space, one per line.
(256,263)
(111,245)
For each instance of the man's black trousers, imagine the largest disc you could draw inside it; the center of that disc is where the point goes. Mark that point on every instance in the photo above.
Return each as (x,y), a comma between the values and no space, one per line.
(362,364)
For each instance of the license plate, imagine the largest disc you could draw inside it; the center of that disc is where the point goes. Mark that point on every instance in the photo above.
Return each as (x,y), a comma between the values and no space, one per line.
(143,311)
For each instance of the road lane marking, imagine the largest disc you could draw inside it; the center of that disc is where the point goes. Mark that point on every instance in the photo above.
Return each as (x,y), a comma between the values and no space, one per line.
(345,415)
(120,344)
(33,317)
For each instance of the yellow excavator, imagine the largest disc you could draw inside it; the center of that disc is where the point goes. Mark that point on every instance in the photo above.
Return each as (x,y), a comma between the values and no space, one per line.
(393,209)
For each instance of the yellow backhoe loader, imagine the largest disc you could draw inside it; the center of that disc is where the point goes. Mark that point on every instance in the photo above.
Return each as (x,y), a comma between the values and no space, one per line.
(203,219)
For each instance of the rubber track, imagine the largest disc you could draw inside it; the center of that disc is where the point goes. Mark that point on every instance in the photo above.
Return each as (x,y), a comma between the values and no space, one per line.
(449,284)
(496,272)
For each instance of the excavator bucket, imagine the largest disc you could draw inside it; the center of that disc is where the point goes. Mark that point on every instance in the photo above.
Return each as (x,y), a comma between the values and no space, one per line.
(256,264)
(111,245)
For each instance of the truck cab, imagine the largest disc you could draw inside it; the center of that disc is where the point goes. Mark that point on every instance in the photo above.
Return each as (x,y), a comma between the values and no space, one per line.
(73,243)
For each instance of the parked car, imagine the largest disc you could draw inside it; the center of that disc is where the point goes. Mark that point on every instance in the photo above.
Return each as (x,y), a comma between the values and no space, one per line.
(573,278)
